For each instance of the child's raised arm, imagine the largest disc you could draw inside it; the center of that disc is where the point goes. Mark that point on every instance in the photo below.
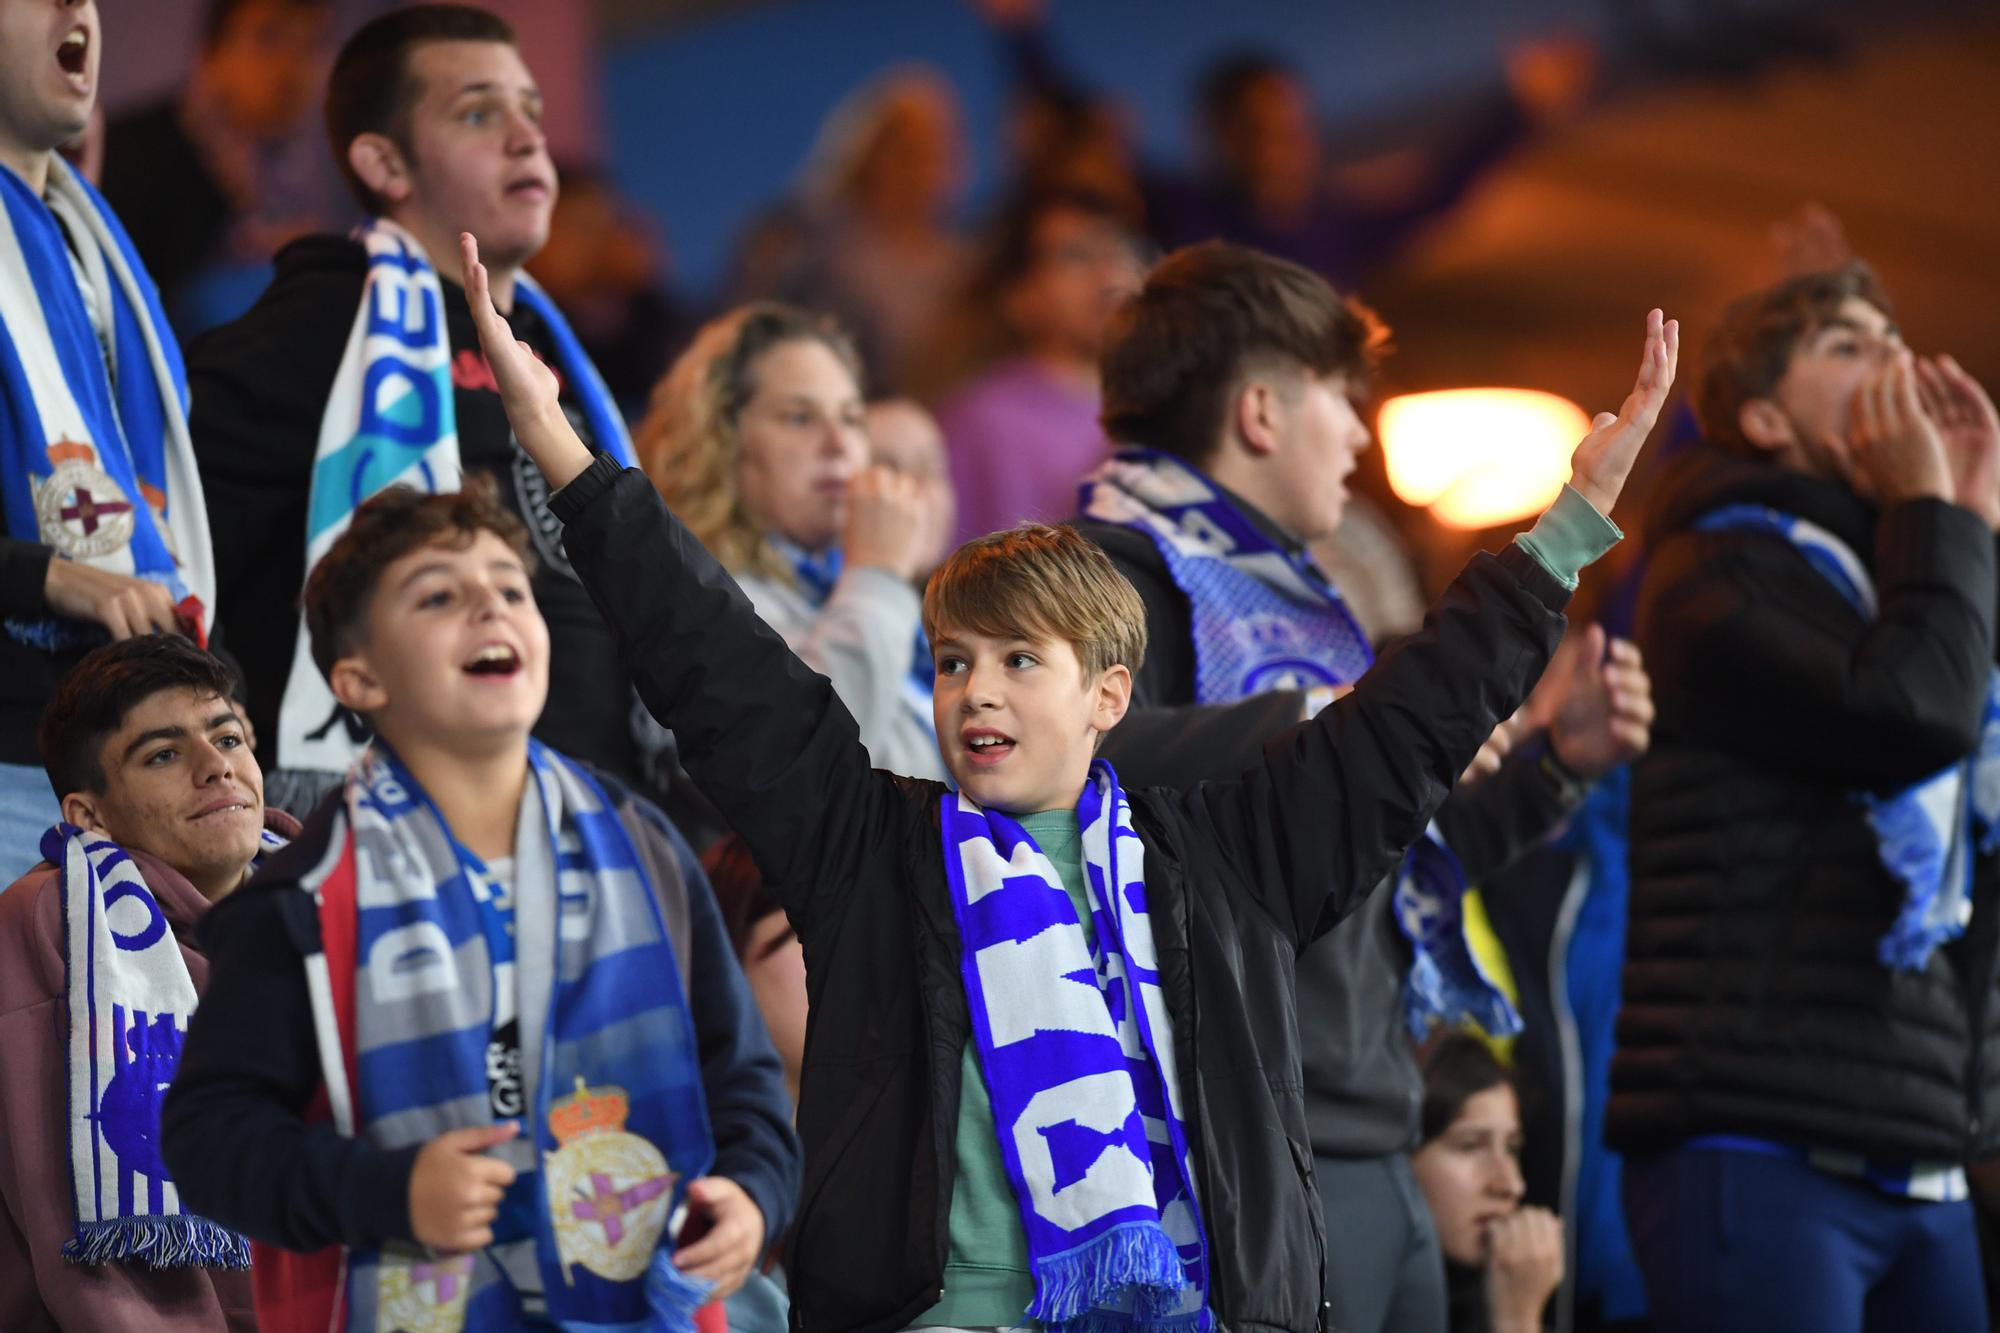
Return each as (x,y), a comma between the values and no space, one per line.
(1328,813)
(763,735)
(528,389)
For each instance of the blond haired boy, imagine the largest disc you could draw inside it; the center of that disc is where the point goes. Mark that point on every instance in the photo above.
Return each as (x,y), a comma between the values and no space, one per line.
(1054,1047)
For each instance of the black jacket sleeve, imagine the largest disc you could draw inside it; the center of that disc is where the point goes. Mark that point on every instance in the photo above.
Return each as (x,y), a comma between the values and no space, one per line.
(24,576)
(1757,653)
(761,733)
(749,1113)
(233,1130)
(1334,803)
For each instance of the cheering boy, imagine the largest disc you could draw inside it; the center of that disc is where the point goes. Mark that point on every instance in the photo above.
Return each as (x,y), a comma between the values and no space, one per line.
(518,1011)
(1053,1069)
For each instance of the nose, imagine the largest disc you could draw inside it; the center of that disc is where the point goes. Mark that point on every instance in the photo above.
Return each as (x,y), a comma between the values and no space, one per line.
(524,134)
(977,691)
(213,764)
(1503,1178)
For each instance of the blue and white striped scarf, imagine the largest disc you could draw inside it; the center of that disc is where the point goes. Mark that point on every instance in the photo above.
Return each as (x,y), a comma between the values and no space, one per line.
(619,1124)
(391,420)
(1928,833)
(95,459)
(130,998)
(1074,1040)
(1266,618)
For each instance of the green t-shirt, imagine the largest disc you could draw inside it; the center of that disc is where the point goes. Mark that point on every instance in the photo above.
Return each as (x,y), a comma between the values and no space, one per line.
(987,1282)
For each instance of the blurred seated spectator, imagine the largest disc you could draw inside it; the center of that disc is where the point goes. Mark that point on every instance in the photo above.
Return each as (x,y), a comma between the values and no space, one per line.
(1502,1261)
(1024,428)
(756,439)
(213,179)
(603,267)
(905,438)
(865,234)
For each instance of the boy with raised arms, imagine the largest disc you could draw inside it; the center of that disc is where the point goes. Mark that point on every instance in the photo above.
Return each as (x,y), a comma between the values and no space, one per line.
(1054,1050)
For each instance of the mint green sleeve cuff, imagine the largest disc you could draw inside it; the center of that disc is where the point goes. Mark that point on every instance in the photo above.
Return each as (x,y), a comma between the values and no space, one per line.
(1569,535)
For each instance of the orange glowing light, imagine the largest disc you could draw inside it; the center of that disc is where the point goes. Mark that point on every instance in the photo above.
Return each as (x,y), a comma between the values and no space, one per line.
(1480,457)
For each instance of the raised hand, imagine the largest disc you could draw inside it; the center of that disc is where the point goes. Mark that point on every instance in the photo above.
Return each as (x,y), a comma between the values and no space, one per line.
(455,1188)
(1603,460)
(1897,451)
(528,389)
(1970,430)
(1598,704)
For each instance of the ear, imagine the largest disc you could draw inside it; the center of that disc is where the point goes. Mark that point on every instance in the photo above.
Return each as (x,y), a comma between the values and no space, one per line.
(1259,416)
(354,683)
(1764,425)
(1114,697)
(380,164)
(81,809)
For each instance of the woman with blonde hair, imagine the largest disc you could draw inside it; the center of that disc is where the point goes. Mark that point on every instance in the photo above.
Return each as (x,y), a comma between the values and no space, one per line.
(756,438)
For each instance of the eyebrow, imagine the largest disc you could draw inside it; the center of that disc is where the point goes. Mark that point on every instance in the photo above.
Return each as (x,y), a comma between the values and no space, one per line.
(146,738)
(444,567)
(484,86)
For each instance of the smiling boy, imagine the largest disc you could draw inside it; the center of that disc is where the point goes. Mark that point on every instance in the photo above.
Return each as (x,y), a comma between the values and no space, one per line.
(1041,1061)
(500,978)
(162,816)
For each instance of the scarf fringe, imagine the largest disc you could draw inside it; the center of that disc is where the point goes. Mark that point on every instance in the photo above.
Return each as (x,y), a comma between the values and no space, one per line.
(175,1241)
(672,1296)
(1136,1259)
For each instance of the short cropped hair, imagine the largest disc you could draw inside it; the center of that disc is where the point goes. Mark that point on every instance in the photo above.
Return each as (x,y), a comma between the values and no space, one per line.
(1043,582)
(388,526)
(370,90)
(97,695)
(1177,351)
(1752,347)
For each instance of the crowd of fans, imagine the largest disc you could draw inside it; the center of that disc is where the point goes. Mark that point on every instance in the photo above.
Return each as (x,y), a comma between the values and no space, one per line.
(530,809)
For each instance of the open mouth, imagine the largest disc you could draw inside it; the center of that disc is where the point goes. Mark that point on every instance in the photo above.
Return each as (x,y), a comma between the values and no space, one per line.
(986,746)
(74,53)
(493,660)
(528,187)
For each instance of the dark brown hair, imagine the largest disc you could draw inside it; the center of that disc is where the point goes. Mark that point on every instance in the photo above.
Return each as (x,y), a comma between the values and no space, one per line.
(370,90)
(1176,352)
(388,526)
(100,691)
(1040,582)
(1750,350)
(1459,1067)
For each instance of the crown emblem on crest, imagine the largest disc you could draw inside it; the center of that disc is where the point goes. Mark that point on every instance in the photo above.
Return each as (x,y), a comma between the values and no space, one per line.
(588,1111)
(67,450)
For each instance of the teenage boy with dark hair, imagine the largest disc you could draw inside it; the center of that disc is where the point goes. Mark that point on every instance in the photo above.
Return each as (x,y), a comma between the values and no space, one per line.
(1809,1014)
(1047,1078)
(102,525)
(359,367)
(162,815)
(1228,379)
(479,1032)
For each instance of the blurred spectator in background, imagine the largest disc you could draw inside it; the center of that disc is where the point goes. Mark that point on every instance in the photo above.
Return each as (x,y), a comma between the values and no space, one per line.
(905,438)
(213,179)
(1811,994)
(604,266)
(1502,1261)
(867,233)
(1024,427)
(1269,184)
(756,439)
(766,946)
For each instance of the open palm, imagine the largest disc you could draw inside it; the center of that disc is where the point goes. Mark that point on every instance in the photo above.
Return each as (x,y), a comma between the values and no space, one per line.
(1604,458)
(528,389)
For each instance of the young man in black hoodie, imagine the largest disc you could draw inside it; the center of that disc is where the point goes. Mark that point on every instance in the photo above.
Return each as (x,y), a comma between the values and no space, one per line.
(1802,1069)
(937,963)
(435,121)
(1227,381)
